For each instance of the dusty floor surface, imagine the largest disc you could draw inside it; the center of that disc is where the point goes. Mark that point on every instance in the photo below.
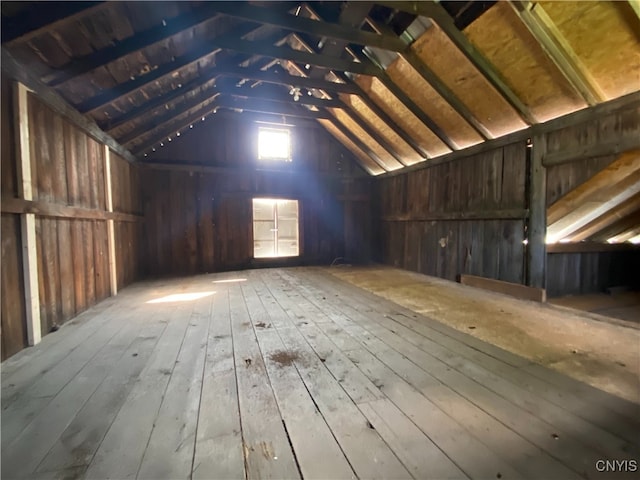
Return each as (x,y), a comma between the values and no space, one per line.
(624,306)
(601,354)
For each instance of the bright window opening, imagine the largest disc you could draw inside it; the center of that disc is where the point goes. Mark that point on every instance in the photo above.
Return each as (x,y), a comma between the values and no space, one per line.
(275,228)
(274,144)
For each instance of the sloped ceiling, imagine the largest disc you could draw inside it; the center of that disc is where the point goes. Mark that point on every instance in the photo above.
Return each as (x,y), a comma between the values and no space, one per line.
(398,83)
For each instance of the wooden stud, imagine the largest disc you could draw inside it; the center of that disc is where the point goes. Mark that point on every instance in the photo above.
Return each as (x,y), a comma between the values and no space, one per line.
(111,241)
(558,50)
(27,220)
(537,225)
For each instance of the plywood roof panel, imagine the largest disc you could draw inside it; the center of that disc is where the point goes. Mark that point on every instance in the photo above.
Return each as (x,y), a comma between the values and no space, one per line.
(408,154)
(369,165)
(606,38)
(438,52)
(511,48)
(385,157)
(402,116)
(431,103)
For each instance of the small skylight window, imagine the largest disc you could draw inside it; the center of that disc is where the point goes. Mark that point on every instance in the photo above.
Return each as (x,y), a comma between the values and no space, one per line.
(274,144)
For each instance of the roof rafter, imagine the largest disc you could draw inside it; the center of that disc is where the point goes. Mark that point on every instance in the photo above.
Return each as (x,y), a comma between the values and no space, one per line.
(232,71)
(314,27)
(360,144)
(436,12)
(49,15)
(439,86)
(187,105)
(558,50)
(127,88)
(131,45)
(261,106)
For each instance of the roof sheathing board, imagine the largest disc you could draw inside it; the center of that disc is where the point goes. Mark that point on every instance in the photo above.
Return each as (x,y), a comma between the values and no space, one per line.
(438,52)
(606,38)
(431,103)
(511,48)
(385,157)
(408,154)
(369,165)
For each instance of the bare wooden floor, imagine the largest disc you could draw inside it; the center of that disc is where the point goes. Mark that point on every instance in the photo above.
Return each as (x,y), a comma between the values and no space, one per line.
(293,373)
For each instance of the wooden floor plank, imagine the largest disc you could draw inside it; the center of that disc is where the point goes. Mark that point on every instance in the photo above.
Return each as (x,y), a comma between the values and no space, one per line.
(605,420)
(368,454)
(78,443)
(29,448)
(266,445)
(561,423)
(218,449)
(169,453)
(121,451)
(296,364)
(316,450)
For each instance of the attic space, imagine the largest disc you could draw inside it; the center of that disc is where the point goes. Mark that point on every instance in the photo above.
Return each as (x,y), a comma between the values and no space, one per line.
(320,239)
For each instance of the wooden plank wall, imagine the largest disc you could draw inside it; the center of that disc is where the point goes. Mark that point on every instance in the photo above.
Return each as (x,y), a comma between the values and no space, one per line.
(73,269)
(465,216)
(199,218)
(590,272)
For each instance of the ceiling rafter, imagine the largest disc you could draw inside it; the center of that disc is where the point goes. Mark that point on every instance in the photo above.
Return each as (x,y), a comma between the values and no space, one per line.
(173,124)
(360,144)
(306,25)
(231,71)
(558,50)
(124,89)
(411,105)
(436,12)
(255,92)
(49,16)
(439,86)
(370,130)
(130,45)
(358,16)
(189,104)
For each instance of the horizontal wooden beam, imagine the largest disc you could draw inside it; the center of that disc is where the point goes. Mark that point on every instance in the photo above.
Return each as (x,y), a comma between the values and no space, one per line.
(283,97)
(130,45)
(508,214)
(225,70)
(14,70)
(306,25)
(262,106)
(616,147)
(558,50)
(291,80)
(590,247)
(515,290)
(437,12)
(196,168)
(44,17)
(45,209)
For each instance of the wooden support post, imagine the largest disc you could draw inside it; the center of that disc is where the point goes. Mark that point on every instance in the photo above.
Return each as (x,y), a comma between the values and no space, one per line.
(27,220)
(537,226)
(113,273)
